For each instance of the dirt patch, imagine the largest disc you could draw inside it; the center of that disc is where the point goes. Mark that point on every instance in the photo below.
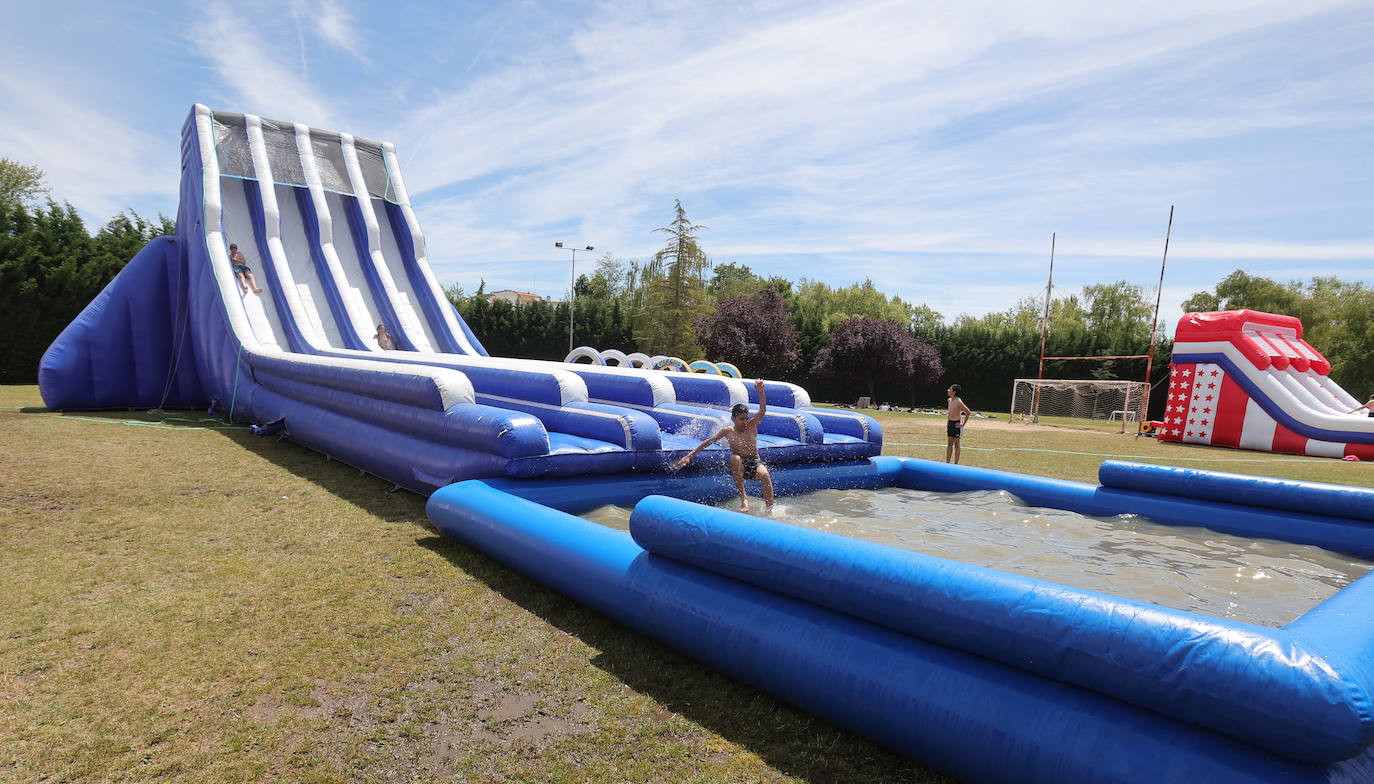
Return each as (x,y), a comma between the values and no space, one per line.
(36,500)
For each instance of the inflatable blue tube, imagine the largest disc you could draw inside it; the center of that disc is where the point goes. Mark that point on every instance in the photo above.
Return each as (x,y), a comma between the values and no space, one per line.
(1310,497)
(477,427)
(1252,683)
(976,719)
(583,494)
(778,393)
(414,463)
(616,387)
(1333,533)
(849,423)
(707,390)
(621,427)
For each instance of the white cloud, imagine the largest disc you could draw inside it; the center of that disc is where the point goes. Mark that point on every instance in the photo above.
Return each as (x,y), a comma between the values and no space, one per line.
(251,68)
(89,157)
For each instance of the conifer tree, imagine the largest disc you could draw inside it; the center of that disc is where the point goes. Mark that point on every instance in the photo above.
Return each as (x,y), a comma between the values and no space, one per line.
(677,295)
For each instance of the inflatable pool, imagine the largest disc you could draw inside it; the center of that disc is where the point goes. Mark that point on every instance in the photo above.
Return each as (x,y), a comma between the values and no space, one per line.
(986,675)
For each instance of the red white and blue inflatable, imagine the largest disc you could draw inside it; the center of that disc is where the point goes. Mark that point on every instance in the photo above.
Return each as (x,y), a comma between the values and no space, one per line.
(1248,380)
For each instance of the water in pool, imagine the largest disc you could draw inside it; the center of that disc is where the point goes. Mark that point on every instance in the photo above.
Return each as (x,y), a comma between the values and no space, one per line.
(1259,581)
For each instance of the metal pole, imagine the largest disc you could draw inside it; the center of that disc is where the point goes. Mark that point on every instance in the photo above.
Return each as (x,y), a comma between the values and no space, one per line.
(1149,363)
(572,297)
(1044,328)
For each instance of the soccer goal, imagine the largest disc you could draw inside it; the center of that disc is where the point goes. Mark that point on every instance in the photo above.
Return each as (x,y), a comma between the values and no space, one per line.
(1104,401)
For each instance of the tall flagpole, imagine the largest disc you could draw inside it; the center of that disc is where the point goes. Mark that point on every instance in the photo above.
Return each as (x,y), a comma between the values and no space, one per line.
(1149,363)
(1044,328)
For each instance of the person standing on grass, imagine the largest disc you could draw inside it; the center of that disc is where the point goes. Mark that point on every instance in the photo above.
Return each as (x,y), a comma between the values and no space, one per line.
(743,436)
(956,417)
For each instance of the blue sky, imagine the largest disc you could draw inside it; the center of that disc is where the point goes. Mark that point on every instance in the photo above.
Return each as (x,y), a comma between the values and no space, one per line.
(931,148)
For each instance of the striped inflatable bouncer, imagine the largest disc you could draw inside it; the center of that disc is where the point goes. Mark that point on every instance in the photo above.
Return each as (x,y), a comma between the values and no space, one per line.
(1245,379)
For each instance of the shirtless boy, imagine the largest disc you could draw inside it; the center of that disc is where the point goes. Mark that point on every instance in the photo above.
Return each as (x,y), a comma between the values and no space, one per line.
(242,271)
(743,436)
(956,418)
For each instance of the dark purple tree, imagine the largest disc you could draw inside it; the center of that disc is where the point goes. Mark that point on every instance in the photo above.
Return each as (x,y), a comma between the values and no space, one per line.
(869,350)
(753,333)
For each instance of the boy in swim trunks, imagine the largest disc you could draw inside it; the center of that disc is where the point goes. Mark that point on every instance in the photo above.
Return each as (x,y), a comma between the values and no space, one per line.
(743,436)
(956,417)
(242,271)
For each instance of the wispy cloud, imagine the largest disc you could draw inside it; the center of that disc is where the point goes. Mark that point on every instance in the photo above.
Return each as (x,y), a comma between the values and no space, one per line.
(332,22)
(255,74)
(98,162)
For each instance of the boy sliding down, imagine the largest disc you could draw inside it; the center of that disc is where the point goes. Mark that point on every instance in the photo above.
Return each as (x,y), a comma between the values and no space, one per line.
(743,436)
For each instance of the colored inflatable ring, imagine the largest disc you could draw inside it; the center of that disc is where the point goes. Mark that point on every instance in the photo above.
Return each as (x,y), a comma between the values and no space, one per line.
(702,366)
(1147,426)
(671,363)
(727,369)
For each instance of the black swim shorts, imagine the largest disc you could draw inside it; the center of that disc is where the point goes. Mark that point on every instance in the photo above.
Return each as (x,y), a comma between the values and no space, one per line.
(751,467)
(952,428)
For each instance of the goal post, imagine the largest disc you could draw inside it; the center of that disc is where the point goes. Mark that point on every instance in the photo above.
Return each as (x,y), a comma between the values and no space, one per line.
(1091,399)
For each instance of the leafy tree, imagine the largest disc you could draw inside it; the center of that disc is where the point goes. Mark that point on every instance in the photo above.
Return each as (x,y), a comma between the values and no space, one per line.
(455,295)
(50,269)
(733,281)
(1337,317)
(676,294)
(20,184)
(751,332)
(1119,314)
(1239,291)
(610,280)
(869,350)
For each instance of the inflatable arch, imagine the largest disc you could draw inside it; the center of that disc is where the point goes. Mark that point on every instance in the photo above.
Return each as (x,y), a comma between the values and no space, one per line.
(585,352)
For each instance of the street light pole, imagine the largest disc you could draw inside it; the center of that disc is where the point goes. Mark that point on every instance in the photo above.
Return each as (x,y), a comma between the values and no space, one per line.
(572,289)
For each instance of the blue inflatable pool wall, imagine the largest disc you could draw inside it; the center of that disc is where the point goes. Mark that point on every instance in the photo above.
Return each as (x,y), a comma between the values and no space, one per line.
(986,675)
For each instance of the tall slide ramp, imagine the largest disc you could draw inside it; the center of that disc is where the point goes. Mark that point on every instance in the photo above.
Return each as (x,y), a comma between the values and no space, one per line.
(1246,379)
(324,221)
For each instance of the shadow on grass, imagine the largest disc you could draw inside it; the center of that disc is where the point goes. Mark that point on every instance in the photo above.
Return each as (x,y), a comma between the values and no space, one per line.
(366,491)
(790,740)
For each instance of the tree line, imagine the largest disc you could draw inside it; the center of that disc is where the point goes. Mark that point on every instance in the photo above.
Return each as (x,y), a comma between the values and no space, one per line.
(839,342)
(51,266)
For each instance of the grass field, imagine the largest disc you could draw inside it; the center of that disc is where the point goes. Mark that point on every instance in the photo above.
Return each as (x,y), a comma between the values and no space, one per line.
(185,602)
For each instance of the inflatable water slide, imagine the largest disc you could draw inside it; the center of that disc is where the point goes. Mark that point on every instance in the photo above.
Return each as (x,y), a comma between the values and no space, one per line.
(325,223)
(1248,380)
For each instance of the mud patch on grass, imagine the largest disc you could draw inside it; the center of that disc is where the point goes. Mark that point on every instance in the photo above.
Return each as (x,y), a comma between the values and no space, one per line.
(34,500)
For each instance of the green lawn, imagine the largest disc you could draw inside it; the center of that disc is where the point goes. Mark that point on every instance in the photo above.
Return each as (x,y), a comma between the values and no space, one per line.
(186,602)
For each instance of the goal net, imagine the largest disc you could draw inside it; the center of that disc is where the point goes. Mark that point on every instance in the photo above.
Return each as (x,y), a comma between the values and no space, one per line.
(1032,400)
